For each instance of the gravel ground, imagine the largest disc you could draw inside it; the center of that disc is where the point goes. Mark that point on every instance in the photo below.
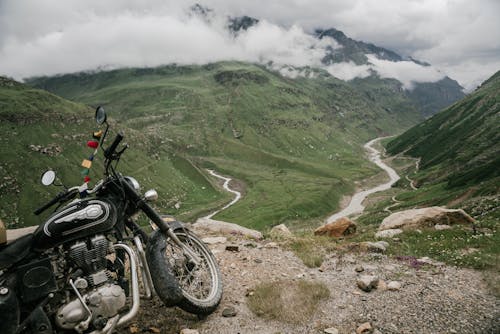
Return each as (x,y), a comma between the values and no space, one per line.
(433,299)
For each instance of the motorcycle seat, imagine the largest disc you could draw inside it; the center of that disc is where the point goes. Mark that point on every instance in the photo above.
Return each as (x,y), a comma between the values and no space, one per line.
(15,251)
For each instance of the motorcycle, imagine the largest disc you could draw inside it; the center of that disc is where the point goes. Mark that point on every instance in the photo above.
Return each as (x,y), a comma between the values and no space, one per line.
(86,268)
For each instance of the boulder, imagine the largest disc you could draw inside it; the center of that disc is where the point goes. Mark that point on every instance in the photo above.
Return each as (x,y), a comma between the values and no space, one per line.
(217,226)
(425,217)
(367,282)
(281,232)
(341,227)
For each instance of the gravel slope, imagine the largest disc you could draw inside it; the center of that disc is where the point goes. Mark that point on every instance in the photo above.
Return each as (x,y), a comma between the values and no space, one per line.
(432,299)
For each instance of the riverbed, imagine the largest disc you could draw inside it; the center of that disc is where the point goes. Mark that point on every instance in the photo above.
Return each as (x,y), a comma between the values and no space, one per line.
(356,204)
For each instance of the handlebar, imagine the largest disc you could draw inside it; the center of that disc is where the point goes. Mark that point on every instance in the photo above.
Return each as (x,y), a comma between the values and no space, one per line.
(108,153)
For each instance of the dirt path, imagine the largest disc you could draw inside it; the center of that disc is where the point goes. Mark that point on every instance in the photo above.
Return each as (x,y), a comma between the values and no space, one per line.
(356,206)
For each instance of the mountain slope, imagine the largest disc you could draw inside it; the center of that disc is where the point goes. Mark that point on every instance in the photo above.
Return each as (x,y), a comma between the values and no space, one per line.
(295,143)
(39,130)
(461,144)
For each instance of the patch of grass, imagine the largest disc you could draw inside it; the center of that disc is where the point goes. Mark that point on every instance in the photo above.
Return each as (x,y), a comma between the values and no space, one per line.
(288,301)
(311,249)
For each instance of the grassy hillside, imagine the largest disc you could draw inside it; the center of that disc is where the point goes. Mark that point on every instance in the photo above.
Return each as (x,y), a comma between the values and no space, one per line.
(39,130)
(294,143)
(460,145)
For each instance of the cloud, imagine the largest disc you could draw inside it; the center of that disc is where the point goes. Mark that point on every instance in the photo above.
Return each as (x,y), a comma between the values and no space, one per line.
(349,70)
(50,37)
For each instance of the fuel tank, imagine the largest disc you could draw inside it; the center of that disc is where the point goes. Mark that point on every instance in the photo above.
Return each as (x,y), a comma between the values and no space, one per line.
(77,220)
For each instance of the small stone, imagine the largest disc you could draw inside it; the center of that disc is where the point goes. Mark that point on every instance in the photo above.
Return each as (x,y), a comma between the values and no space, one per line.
(365,328)
(375,247)
(214,240)
(367,282)
(331,330)
(439,227)
(189,331)
(133,329)
(281,232)
(257,260)
(388,233)
(233,248)
(271,245)
(359,269)
(381,285)
(229,312)
(155,330)
(394,285)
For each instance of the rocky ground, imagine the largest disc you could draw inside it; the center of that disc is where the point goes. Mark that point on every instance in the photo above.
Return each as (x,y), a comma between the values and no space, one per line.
(410,296)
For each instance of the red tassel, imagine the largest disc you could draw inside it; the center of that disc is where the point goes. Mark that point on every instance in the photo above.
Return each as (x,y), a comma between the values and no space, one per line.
(92,144)
(86,179)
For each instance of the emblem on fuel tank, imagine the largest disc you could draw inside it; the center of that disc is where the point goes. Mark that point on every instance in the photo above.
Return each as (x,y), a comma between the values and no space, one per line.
(95,212)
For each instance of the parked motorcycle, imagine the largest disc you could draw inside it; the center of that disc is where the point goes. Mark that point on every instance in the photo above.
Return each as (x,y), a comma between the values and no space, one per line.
(86,268)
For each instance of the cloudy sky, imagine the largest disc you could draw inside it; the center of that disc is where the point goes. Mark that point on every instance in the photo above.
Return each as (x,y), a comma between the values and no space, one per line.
(460,38)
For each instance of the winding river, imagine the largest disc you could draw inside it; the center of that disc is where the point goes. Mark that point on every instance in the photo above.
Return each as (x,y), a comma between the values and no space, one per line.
(356,204)
(237,194)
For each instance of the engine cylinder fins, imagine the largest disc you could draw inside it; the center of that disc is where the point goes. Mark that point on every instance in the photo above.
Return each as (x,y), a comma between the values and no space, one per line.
(90,256)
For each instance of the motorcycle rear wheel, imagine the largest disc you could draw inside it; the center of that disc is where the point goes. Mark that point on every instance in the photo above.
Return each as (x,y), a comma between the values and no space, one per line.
(201,284)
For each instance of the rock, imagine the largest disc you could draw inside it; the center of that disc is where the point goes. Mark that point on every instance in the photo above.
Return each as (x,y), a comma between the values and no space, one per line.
(374,247)
(388,233)
(257,260)
(382,286)
(394,285)
(189,331)
(229,312)
(367,282)
(214,240)
(425,217)
(341,227)
(217,226)
(359,269)
(281,232)
(365,328)
(271,245)
(177,205)
(331,330)
(440,227)
(233,248)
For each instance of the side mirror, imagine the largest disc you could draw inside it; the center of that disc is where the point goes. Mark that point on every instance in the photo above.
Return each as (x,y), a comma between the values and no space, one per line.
(100,115)
(48,177)
(151,195)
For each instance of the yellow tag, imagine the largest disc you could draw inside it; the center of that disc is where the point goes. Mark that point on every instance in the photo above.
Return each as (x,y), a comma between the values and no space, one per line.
(86,163)
(97,134)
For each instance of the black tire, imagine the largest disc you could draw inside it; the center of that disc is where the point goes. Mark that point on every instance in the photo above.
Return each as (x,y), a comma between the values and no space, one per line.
(164,280)
(201,284)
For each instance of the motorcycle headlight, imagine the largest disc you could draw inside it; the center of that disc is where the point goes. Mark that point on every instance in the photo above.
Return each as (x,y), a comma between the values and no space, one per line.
(133,182)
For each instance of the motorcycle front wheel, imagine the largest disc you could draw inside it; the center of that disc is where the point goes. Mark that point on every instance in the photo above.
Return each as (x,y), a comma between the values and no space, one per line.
(201,284)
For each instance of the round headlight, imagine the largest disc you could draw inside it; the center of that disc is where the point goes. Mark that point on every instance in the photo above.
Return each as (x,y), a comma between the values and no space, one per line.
(133,182)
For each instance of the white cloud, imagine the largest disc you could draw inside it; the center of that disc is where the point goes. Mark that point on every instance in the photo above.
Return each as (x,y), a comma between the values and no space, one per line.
(407,72)
(349,70)
(47,37)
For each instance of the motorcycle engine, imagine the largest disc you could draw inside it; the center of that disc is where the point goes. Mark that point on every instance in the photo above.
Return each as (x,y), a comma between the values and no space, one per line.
(102,296)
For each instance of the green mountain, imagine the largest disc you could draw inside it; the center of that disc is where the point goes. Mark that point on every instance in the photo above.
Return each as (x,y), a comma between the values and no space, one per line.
(461,144)
(39,130)
(296,144)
